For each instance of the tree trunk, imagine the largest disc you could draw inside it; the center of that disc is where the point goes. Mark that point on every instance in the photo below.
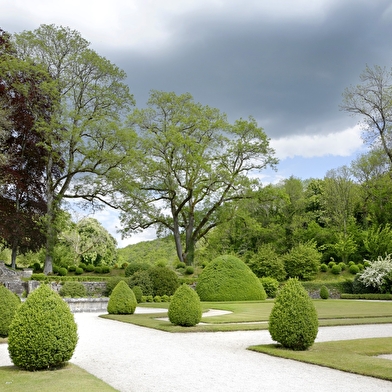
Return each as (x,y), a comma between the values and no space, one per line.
(50,232)
(14,254)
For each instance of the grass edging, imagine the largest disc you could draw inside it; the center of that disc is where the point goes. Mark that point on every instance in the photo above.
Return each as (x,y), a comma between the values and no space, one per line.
(354,356)
(70,378)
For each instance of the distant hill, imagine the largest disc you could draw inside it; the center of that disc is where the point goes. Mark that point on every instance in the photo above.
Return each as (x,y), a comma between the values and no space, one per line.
(160,249)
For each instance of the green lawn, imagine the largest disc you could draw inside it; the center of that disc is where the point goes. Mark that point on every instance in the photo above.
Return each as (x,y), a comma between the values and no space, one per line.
(68,378)
(254,315)
(354,356)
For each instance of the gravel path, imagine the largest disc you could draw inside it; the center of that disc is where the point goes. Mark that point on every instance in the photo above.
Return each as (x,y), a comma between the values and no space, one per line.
(137,359)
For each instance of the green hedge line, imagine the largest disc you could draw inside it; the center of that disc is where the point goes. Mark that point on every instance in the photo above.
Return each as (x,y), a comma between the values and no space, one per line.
(54,278)
(341,287)
(367,296)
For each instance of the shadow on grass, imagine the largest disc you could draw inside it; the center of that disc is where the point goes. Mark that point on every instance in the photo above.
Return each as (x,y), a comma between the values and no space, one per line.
(357,356)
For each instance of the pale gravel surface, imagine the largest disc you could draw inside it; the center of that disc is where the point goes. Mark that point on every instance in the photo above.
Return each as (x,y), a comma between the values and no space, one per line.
(137,359)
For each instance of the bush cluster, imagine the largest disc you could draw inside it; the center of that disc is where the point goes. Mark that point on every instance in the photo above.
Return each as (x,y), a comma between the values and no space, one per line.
(73,290)
(164,280)
(271,286)
(136,266)
(227,278)
(143,280)
(122,300)
(185,307)
(43,333)
(293,320)
(9,304)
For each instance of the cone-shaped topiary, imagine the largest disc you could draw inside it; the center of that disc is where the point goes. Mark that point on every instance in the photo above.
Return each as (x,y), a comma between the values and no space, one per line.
(9,303)
(293,320)
(43,333)
(324,293)
(122,300)
(185,307)
(227,278)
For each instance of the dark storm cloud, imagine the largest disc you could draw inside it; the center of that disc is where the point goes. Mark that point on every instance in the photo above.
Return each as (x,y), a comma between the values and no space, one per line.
(289,74)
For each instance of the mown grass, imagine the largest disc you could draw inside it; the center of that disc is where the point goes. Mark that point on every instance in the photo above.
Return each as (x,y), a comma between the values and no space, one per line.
(68,378)
(254,315)
(354,356)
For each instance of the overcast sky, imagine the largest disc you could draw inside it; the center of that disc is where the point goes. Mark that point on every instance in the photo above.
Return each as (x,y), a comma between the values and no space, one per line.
(284,62)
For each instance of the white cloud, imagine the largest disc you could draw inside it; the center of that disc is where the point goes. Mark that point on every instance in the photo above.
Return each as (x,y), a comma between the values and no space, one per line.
(308,146)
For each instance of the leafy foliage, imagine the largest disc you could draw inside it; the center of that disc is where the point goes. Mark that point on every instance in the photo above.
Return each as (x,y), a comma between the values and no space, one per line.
(122,300)
(302,261)
(43,333)
(266,262)
(164,281)
(227,278)
(185,307)
(73,290)
(271,286)
(143,280)
(135,266)
(293,320)
(9,304)
(374,275)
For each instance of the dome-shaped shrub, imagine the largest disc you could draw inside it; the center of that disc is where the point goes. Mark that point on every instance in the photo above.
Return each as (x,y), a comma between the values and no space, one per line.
(9,303)
(324,293)
(185,307)
(164,280)
(122,300)
(227,278)
(43,332)
(73,290)
(293,320)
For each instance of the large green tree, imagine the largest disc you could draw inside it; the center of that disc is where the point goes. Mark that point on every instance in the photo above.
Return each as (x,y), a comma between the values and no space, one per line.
(191,163)
(86,130)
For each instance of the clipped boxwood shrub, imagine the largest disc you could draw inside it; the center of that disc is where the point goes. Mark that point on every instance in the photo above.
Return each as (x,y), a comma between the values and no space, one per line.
(227,278)
(323,267)
(342,265)
(9,304)
(89,268)
(71,268)
(324,293)
(98,270)
(62,271)
(189,270)
(79,271)
(185,307)
(43,333)
(105,269)
(73,290)
(122,300)
(138,293)
(336,269)
(271,286)
(164,280)
(353,269)
(83,266)
(293,320)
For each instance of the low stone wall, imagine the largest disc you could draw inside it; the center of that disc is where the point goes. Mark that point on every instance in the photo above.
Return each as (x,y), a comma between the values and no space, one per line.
(78,305)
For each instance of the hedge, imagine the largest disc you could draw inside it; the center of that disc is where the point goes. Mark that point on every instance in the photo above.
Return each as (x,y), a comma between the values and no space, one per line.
(386,297)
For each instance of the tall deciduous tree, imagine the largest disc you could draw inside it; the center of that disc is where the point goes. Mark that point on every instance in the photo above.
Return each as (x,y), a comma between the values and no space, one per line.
(371,100)
(26,98)
(86,130)
(192,162)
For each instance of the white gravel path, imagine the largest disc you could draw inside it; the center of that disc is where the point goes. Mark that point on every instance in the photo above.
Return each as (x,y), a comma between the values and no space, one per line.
(137,359)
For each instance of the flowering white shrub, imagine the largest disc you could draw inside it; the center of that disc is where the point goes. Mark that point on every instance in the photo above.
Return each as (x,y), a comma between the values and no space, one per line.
(374,274)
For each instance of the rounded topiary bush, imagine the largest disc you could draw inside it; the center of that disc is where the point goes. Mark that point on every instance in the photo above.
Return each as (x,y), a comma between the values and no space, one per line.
(79,271)
(9,303)
(73,290)
(227,278)
(293,320)
(62,271)
(323,267)
(336,269)
(164,280)
(271,286)
(122,300)
(353,269)
(324,293)
(43,333)
(185,307)
(89,268)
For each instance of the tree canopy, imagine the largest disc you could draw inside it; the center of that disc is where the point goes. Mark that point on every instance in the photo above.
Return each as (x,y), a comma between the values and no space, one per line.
(192,161)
